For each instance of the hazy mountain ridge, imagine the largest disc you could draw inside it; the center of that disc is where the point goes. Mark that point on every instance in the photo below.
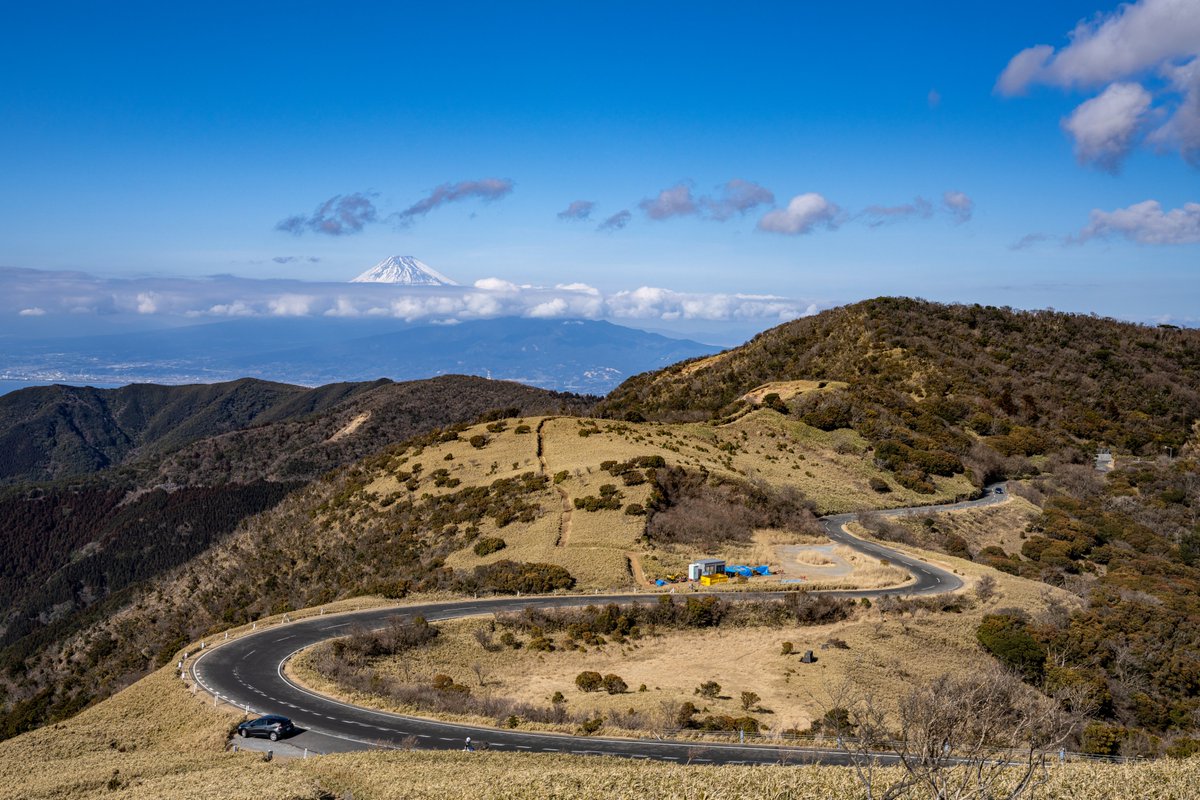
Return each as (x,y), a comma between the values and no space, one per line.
(567,355)
(53,432)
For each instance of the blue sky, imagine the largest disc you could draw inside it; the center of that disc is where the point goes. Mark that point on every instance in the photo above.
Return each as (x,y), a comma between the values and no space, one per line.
(157,141)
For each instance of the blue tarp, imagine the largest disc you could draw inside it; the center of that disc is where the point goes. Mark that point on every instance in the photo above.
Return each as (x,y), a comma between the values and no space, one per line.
(660,582)
(734,569)
(763,570)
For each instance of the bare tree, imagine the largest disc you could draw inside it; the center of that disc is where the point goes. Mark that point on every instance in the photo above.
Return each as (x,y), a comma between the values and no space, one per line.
(983,734)
(985,588)
(482,672)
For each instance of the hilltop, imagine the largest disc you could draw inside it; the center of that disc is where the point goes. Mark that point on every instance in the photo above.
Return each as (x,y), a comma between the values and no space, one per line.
(1026,381)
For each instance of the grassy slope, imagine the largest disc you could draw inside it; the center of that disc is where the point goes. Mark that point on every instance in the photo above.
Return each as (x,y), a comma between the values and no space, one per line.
(888,651)
(156,740)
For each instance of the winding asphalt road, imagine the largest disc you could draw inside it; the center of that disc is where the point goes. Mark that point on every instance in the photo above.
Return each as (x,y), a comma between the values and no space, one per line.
(249,672)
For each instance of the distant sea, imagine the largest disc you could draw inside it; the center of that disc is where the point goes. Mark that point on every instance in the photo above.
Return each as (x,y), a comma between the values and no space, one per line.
(12,386)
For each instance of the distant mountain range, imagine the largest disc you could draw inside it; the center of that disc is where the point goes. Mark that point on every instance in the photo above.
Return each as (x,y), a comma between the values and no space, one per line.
(405,271)
(568,355)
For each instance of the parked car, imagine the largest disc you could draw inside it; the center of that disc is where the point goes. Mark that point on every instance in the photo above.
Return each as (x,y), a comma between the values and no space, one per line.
(999,490)
(272,727)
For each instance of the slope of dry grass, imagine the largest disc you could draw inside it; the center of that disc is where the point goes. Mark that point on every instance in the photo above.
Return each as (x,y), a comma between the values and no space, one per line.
(154,740)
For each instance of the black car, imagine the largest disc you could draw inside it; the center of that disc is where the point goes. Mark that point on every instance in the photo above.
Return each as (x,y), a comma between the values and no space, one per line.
(272,726)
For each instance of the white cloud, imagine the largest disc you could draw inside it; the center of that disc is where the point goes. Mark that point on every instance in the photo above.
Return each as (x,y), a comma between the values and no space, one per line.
(291,305)
(578,287)
(1137,37)
(676,201)
(235,309)
(147,303)
(344,307)
(1147,223)
(1152,46)
(959,204)
(551,308)
(804,213)
(648,302)
(1182,129)
(1105,128)
(496,285)
(32,312)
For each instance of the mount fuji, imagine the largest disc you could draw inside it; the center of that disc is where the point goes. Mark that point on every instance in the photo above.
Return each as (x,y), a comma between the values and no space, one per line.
(405,271)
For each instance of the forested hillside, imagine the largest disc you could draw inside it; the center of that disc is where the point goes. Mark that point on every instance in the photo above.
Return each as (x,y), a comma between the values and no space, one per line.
(1039,379)
(1026,395)
(52,432)
(76,551)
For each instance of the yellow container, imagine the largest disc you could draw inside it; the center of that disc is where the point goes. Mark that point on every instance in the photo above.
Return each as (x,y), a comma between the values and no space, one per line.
(709,580)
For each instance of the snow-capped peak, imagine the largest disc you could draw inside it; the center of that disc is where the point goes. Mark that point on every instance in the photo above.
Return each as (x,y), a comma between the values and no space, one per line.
(404,270)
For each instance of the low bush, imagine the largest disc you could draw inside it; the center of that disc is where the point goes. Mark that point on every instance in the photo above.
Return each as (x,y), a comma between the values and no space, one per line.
(489,545)
(613,684)
(589,681)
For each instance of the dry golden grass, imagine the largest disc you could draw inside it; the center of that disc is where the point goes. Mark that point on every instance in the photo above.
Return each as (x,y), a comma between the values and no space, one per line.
(1002,525)
(886,652)
(133,746)
(789,389)
(600,548)
(492,776)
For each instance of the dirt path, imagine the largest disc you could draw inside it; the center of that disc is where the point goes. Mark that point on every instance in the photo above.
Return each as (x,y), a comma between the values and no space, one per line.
(635,569)
(564,519)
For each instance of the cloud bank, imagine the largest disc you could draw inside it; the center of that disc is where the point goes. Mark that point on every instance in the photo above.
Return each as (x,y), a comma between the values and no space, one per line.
(29,293)
(1146,56)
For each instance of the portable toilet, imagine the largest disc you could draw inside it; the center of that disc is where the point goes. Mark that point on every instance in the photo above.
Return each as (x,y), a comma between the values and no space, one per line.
(705,566)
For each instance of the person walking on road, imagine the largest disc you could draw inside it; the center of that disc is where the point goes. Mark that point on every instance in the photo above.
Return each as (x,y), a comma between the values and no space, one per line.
(469,748)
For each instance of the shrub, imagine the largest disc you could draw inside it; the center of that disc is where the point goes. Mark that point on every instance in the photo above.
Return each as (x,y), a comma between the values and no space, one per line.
(561,476)
(510,577)
(1008,639)
(589,681)
(749,699)
(478,441)
(879,485)
(1102,740)
(683,717)
(592,725)
(444,683)
(774,402)
(723,722)
(709,689)
(787,649)
(613,684)
(635,510)
(488,545)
